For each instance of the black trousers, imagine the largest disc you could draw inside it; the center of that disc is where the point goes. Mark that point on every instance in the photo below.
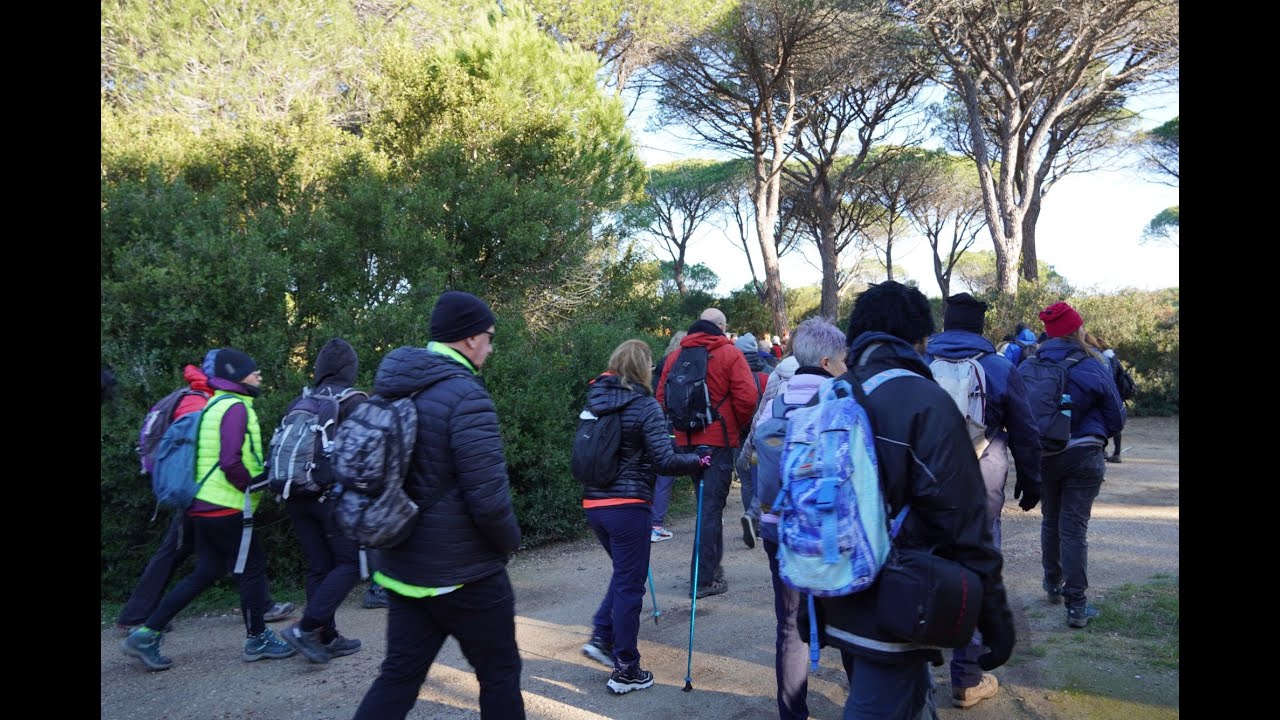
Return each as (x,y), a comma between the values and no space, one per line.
(332,562)
(177,544)
(482,616)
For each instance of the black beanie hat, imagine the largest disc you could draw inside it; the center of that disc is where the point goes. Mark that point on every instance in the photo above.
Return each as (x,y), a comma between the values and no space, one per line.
(458,315)
(232,364)
(964,312)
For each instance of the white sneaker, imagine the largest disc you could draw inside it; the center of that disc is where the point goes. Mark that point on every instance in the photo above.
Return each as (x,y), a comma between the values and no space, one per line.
(659,533)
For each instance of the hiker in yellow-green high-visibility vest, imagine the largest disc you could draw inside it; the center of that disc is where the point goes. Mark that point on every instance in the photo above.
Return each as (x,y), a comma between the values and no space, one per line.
(230,453)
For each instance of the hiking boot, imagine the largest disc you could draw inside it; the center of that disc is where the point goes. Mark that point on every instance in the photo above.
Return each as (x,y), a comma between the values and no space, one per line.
(1054,594)
(124,630)
(659,533)
(599,650)
(308,642)
(144,644)
(627,679)
(278,611)
(376,597)
(966,697)
(718,586)
(340,646)
(1078,617)
(1113,458)
(266,645)
(748,531)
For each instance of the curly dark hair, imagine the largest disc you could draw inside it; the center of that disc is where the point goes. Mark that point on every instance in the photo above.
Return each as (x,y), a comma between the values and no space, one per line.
(893,308)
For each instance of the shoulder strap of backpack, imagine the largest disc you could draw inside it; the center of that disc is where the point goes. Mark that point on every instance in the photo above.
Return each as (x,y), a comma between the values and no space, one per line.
(861,391)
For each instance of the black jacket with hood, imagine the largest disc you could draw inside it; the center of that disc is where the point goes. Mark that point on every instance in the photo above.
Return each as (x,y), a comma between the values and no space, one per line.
(927,460)
(645,449)
(337,365)
(457,475)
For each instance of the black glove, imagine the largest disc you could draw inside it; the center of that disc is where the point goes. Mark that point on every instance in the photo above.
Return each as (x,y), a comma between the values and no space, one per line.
(999,637)
(1029,493)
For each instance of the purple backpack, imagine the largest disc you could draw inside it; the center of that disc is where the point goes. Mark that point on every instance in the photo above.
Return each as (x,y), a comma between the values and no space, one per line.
(158,419)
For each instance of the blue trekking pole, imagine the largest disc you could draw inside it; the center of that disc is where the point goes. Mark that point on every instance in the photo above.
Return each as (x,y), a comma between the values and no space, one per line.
(697,547)
(654,595)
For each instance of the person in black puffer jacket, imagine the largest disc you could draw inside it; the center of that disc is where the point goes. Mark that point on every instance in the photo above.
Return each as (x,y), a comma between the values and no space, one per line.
(449,577)
(620,513)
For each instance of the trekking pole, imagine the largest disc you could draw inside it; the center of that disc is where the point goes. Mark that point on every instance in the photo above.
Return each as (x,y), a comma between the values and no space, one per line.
(697,547)
(654,595)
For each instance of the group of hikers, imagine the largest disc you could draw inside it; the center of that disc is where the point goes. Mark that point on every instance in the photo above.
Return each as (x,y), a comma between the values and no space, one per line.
(710,408)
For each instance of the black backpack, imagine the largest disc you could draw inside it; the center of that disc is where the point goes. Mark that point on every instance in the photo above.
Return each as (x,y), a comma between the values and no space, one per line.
(302,444)
(1046,382)
(686,396)
(594,458)
(1125,384)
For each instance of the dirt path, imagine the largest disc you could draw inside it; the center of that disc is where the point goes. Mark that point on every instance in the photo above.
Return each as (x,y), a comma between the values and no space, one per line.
(1133,535)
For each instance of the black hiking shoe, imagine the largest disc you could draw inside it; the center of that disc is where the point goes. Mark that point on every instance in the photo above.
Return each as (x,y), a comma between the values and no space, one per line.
(748,531)
(599,650)
(308,642)
(376,597)
(627,679)
(340,646)
(715,587)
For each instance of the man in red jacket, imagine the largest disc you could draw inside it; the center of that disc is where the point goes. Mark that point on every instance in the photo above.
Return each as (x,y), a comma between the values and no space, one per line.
(733,397)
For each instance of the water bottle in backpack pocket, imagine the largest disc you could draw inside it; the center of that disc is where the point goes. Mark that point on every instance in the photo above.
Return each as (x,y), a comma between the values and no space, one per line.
(1046,384)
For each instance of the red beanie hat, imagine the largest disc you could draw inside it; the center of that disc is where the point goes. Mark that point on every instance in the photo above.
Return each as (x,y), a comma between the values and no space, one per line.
(1060,320)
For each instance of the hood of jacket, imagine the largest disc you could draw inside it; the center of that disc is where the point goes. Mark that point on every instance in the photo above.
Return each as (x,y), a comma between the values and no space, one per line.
(802,386)
(337,364)
(196,379)
(408,369)
(895,352)
(958,344)
(704,339)
(607,395)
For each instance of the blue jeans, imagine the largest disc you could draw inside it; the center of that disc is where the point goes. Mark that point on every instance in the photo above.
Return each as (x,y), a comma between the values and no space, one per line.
(332,562)
(791,652)
(708,549)
(623,530)
(994,464)
(882,691)
(482,616)
(661,499)
(1072,480)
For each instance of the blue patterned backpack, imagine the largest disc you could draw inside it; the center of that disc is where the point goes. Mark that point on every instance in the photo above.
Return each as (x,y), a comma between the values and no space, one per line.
(833,530)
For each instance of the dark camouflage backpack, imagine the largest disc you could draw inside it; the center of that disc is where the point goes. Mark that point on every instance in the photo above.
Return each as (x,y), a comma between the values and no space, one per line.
(370,460)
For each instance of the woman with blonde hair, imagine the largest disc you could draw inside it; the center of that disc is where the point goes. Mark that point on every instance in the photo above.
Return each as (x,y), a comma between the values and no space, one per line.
(618,509)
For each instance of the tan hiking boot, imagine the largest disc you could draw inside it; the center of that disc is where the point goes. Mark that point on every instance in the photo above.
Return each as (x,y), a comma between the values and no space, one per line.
(968,697)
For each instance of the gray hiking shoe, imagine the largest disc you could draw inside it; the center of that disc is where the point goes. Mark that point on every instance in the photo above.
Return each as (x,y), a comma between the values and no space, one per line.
(376,597)
(307,642)
(340,646)
(144,644)
(1054,594)
(715,587)
(266,645)
(278,611)
(1078,617)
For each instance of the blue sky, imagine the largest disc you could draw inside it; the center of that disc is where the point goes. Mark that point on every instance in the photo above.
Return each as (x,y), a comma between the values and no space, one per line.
(1089,228)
